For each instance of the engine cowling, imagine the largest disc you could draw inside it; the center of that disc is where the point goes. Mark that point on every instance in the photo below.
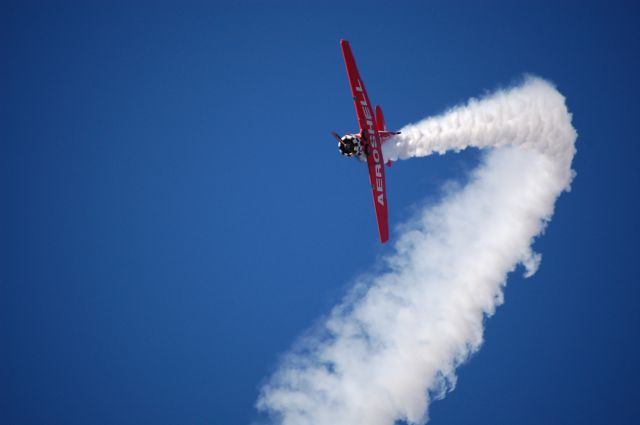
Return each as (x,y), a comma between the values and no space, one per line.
(350,145)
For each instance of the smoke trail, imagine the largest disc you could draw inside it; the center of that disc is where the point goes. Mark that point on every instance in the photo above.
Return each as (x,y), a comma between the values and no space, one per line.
(395,341)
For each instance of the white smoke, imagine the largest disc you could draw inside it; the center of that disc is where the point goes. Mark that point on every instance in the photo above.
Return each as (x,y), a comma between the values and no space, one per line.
(394,343)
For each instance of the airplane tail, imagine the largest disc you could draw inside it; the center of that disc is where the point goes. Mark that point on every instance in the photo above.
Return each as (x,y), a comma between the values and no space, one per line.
(381,126)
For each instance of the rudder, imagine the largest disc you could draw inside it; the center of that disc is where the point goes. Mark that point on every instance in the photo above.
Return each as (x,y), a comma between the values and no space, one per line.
(380,124)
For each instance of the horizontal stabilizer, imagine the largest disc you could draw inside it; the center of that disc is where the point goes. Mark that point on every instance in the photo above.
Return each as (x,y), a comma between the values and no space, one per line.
(386,135)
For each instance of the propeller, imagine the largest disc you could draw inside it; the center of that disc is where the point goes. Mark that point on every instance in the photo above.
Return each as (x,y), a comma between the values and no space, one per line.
(337,136)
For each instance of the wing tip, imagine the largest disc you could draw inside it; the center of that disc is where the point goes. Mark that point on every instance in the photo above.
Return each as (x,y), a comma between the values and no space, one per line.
(383,230)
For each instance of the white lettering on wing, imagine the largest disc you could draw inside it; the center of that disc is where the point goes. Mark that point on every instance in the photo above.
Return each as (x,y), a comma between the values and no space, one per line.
(373,143)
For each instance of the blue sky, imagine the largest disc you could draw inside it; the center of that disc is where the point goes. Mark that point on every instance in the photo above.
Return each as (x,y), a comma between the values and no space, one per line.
(175,212)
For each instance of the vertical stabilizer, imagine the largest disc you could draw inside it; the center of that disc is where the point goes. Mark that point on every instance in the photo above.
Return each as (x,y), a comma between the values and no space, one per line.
(380,124)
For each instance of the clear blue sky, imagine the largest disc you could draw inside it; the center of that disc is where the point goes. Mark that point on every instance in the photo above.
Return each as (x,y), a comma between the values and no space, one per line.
(175,213)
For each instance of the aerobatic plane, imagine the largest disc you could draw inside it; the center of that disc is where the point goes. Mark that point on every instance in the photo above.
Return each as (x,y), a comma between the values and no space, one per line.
(367,144)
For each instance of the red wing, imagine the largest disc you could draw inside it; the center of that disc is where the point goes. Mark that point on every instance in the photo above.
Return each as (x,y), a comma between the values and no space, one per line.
(358,91)
(372,141)
(379,191)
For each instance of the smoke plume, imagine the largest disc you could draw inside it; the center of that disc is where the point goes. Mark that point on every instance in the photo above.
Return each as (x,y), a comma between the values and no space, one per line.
(394,343)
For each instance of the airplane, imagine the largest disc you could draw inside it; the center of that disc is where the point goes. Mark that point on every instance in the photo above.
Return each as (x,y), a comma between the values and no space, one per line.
(367,144)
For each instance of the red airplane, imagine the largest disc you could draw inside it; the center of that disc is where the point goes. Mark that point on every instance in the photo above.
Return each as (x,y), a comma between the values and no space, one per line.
(367,145)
